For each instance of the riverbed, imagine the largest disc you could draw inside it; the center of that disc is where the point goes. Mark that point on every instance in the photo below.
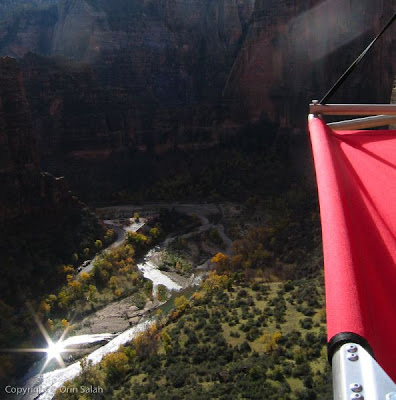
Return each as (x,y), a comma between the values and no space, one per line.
(113,323)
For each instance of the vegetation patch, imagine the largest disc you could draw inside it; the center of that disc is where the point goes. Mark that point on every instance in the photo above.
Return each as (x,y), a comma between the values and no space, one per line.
(222,343)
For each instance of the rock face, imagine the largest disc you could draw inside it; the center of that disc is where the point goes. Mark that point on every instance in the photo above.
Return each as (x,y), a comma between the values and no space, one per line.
(27,25)
(295,50)
(170,57)
(129,81)
(42,223)
(25,189)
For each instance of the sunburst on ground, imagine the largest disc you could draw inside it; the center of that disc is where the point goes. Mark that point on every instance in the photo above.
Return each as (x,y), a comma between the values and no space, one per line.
(54,350)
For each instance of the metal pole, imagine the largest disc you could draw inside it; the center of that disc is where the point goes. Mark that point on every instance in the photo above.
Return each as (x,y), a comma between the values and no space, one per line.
(363,123)
(352,109)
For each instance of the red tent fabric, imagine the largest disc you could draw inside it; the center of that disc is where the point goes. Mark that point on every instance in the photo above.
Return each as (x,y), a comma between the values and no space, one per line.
(356,177)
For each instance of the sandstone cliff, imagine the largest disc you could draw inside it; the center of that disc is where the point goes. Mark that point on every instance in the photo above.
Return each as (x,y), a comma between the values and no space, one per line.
(128,78)
(25,189)
(295,50)
(129,81)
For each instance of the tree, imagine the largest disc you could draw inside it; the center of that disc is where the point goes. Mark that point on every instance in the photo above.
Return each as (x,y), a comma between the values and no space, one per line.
(181,303)
(76,288)
(215,282)
(162,293)
(85,276)
(270,341)
(68,270)
(221,261)
(65,323)
(98,244)
(137,240)
(110,235)
(146,343)
(63,299)
(85,365)
(115,365)
(91,292)
(44,308)
(155,232)
(166,341)
(52,299)
(113,282)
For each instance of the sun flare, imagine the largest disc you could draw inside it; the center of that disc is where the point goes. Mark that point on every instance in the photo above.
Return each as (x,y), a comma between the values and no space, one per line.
(54,350)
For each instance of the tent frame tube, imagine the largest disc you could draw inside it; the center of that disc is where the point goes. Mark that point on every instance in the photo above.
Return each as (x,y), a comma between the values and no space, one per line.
(379,114)
(352,109)
(363,123)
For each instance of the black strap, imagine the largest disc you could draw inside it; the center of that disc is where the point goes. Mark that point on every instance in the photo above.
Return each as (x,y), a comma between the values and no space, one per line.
(355,63)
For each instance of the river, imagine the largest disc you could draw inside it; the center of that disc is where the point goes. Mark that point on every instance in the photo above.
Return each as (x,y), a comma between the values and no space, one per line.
(42,386)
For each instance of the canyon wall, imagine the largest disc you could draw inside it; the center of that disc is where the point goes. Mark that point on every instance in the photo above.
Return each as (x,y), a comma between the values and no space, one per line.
(27,25)
(295,50)
(25,189)
(127,80)
(115,85)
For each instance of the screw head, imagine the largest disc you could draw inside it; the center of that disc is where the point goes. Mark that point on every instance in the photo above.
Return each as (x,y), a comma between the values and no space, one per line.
(352,348)
(357,396)
(353,357)
(356,387)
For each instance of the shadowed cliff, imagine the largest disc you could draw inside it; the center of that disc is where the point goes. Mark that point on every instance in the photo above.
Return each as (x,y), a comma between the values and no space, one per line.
(128,84)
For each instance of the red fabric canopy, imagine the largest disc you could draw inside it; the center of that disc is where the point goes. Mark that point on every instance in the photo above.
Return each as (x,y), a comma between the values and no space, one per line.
(356,176)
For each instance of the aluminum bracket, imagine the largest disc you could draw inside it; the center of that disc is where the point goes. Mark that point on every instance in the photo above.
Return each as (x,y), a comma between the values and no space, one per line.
(356,375)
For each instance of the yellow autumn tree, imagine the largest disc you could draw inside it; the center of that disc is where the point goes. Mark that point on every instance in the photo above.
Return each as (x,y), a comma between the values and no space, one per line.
(221,262)
(146,343)
(68,269)
(85,276)
(270,341)
(76,287)
(154,232)
(197,296)
(65,323)
(181,303)
(215,282)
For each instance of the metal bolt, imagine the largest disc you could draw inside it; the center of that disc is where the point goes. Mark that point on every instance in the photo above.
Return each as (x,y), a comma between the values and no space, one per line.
(353,357)
(355,387)
(352,349)
(391,396)
(357,396)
